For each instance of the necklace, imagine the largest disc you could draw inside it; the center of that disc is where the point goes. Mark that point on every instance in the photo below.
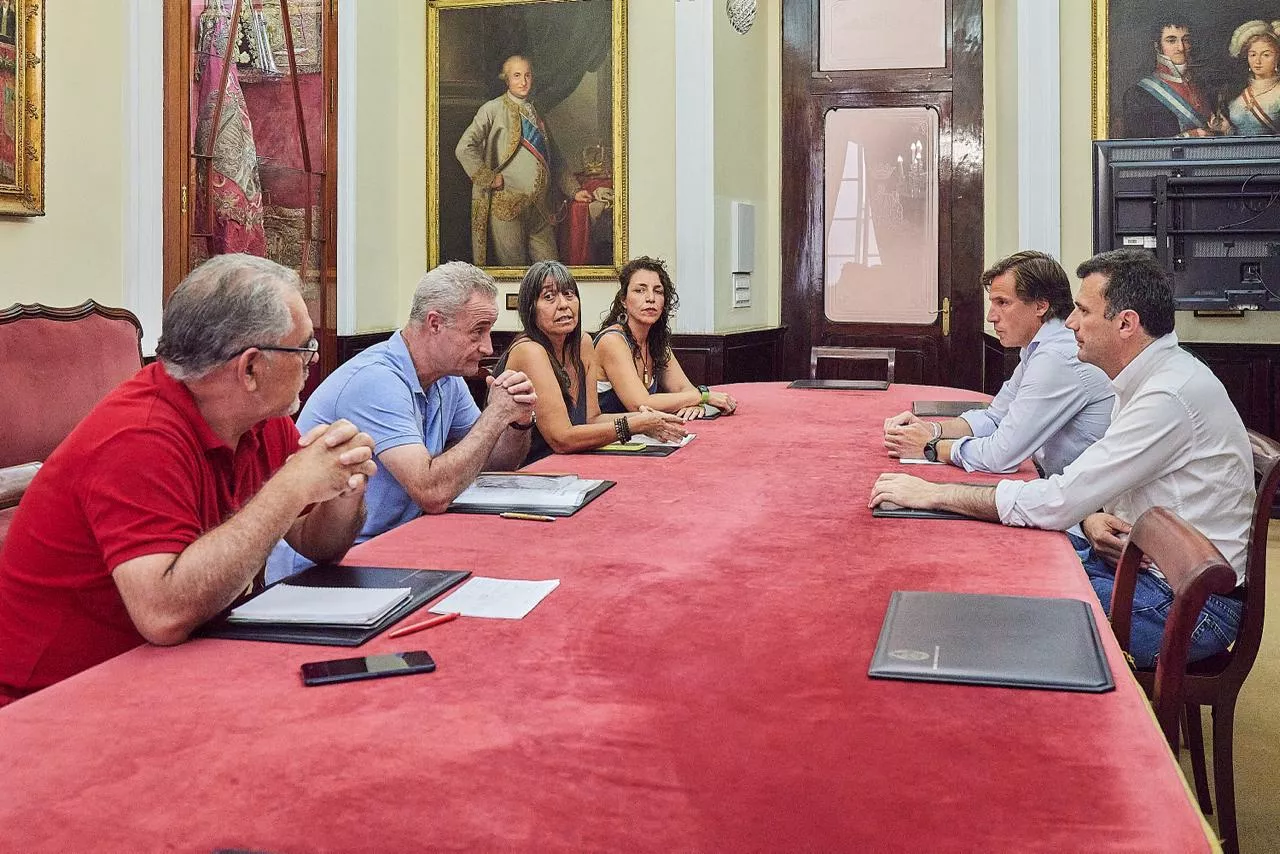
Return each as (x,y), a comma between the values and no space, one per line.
(1275,81)
(642,350)
(645,374)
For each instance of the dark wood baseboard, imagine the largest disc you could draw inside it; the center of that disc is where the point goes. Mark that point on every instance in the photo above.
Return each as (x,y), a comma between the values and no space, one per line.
(1251,375)
(749,356)
(1249,372)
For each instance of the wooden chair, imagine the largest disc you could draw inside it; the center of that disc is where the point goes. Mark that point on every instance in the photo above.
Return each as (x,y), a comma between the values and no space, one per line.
(55,365)
(854,354)
(1194,568)
(1216,681)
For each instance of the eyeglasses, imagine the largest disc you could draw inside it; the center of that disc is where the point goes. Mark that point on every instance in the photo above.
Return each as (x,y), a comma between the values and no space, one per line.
(310,350)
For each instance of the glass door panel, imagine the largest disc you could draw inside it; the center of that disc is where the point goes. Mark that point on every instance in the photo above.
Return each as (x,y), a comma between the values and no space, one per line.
(881,215)
(867,35)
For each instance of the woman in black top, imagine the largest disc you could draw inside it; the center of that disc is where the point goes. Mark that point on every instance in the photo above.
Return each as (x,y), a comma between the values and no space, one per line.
(558,357)
(636,365)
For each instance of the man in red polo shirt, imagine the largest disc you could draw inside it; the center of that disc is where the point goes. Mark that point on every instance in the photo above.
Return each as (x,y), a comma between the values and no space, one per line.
(159,509)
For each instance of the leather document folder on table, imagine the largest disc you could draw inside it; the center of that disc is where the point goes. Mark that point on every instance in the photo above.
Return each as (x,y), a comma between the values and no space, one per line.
(945,408)
(889,510)
(842,385)
(981,639)
(424,585)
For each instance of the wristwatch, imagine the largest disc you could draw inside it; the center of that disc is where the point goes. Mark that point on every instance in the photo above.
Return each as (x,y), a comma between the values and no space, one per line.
(931,450)
(516,425)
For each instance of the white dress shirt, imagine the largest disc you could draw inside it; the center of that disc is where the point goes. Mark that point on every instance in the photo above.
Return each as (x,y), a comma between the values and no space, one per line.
(1052,408)
(1175,441)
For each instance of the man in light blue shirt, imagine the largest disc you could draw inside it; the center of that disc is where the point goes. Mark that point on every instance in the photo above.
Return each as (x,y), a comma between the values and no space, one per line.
(430,439)
(1051,409)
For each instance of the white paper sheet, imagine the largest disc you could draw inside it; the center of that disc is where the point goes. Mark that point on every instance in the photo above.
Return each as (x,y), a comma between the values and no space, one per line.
(913,462)
(499,598)
(644,439)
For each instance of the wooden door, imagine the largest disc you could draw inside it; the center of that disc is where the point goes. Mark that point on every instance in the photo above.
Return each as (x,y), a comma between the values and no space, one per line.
(272,164)
(882,233)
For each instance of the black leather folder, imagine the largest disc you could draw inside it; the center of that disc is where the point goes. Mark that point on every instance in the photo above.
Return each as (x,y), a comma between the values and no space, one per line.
(945,408)
(646,451)
(844,385)
(889,510)
(457,507)
(425,584)
(980,639)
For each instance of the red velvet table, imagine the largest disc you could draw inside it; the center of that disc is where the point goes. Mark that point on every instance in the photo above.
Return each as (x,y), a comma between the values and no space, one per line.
(697,682)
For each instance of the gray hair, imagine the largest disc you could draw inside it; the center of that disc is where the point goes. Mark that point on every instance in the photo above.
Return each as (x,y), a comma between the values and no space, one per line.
(447,288)
(502,75)
(222,308)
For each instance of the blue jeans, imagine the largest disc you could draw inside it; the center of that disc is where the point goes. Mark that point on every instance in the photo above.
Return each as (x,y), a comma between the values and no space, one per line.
(1215,629)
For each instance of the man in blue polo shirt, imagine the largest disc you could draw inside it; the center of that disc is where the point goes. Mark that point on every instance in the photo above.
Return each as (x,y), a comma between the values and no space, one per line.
(430,439)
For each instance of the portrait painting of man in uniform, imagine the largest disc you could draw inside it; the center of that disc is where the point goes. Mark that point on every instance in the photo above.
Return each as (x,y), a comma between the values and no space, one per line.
(526,157)
(1185,70)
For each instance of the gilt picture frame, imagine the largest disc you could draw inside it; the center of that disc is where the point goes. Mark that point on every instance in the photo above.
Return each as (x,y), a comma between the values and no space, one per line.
(22,103)
(1163,70)
(527,134)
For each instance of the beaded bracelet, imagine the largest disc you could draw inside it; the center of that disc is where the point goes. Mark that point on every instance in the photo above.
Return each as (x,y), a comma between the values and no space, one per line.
(622,429)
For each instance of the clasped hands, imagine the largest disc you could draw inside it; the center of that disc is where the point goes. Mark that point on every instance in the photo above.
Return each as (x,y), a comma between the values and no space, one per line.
(332,461)
(512,394)
(905,436)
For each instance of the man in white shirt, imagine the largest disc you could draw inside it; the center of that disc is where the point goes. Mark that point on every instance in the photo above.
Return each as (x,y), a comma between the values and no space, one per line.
(1175,441)
(1052,408)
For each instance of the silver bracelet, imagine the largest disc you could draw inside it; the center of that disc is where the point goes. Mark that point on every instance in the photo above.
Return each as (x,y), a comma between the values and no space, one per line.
(937,429)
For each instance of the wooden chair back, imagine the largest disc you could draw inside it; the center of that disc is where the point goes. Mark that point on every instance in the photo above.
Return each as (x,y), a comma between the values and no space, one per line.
(1194,568)
(888,355)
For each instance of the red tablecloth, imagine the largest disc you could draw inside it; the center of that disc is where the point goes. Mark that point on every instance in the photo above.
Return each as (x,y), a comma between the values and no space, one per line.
(697,682)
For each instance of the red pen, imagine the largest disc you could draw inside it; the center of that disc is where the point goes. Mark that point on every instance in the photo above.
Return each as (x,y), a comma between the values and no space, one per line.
(425,624)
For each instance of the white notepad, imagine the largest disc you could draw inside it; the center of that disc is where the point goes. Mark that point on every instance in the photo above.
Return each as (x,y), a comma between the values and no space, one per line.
(336,606)
(496,597)
(522,491)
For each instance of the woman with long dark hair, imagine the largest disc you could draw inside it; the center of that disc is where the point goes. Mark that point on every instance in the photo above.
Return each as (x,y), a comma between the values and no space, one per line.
(636,365)
(558,358)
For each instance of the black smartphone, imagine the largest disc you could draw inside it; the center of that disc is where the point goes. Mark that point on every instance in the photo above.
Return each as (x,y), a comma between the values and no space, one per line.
(367,667)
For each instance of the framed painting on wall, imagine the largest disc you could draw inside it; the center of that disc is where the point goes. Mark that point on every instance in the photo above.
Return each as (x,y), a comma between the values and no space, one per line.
(1198,70)
(526,134)
(21,108)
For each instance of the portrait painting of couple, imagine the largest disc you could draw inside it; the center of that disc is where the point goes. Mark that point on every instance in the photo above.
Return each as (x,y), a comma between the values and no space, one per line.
(1189,70)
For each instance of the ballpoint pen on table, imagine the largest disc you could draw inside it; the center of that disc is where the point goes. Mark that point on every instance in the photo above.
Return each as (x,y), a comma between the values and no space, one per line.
(425,624)
(528,517)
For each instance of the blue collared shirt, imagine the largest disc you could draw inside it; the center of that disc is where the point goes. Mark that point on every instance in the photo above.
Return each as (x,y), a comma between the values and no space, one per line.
(378,390)
(1051,409)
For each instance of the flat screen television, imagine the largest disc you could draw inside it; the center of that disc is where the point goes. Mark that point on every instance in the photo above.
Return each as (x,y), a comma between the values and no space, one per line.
(1209,209)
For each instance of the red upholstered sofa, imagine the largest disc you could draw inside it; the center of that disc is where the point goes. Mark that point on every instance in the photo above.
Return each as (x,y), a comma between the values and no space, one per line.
(55,364)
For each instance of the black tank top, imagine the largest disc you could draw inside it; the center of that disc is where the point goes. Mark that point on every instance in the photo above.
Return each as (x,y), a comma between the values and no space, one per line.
(577,409)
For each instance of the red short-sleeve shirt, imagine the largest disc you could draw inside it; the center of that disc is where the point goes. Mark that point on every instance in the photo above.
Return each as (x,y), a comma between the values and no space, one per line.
(142,474)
